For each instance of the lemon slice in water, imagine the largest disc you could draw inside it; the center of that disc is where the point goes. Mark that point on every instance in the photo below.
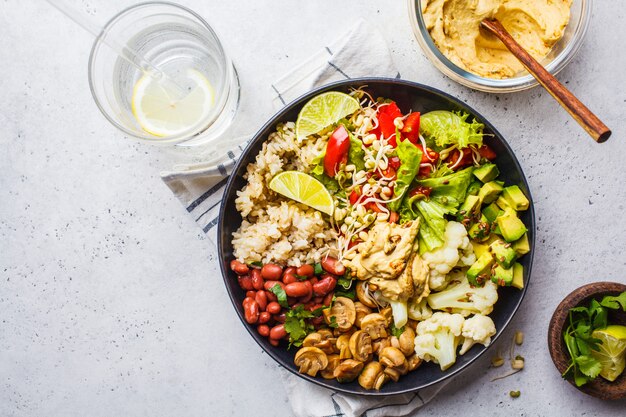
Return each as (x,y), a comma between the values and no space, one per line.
(324,110)
(161,111)
(612,351)
(304,189)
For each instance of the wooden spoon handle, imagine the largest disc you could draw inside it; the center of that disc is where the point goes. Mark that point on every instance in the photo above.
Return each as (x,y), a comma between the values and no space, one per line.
(589,121)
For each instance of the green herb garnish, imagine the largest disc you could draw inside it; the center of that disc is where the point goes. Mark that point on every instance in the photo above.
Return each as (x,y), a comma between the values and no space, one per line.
(296,324)
(281,295)
(583,321)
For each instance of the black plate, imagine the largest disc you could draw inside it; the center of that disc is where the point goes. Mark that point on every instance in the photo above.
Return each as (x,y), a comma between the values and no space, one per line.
(409,96)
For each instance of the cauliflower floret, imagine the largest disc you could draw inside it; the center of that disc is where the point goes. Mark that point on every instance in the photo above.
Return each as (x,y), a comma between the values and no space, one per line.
(464,299)
(419,311)
(456,251)
(477,329)
(438,337)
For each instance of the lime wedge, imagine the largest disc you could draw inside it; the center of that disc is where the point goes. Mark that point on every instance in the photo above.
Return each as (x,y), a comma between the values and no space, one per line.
(160,112)
(612,351)
(304,189)
(324,110)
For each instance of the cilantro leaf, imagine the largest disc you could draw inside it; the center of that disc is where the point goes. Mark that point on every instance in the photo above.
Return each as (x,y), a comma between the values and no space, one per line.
(333,322)
(318,269)
(281,295)
(589,366)
(614,302)
(395,330)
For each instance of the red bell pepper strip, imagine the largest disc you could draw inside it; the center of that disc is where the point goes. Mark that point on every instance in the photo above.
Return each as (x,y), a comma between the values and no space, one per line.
(386,115)
(466,159)
(411,129)
(336,151)
(486,152)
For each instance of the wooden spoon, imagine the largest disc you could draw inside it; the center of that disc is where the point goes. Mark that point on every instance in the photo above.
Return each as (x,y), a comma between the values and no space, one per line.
(589,121)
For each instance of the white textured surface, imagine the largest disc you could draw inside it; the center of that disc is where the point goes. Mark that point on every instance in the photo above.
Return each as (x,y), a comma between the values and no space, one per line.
(110,300)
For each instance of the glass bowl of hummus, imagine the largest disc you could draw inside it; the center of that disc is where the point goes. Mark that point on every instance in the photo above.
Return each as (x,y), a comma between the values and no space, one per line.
(448,33)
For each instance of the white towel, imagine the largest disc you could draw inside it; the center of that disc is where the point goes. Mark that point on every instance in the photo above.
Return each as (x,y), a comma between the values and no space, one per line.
(361,52)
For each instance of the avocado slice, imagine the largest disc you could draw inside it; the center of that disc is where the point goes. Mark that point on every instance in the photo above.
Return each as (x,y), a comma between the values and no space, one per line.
(487,172)
(492,211)
(503,253)
(480,230)
(489,192)
(502,276)
(474,187)
(518,276)
(515,198)
(521,245)
(480,271)
(503,204)
(511,226)
(470,208)
(480,248)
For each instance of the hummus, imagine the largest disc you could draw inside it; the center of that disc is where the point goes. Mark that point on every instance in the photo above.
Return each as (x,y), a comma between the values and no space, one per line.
(454,27)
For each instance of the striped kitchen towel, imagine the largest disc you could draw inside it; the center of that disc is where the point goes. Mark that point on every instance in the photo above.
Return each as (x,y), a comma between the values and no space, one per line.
(361,52)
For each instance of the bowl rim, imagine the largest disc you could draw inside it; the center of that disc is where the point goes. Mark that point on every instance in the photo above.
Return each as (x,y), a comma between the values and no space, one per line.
(493,85)
(258,137)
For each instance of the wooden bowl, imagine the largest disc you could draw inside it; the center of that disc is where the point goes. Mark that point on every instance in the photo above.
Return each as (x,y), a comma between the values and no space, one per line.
(599,387)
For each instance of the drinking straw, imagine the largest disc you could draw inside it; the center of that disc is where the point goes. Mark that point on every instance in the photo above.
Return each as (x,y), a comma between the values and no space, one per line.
(126,52)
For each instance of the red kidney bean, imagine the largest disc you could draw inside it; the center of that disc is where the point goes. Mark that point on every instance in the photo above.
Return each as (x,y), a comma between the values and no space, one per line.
(264,317)
(290,270)
(273,308)
(333,266)
(316,321)
(306,298)
(245,282)
(314,280)
(261,300)
(278,332)
(251,294)
(325,285)
(257,280)
(280,318)
(271,272)
(274,342)
(289,279)
(329,298)
(298,289)
(271,296)
(238,267)
(263,329)
(318,300)
(251,310)
(306,271)
(270,284)
(292,301)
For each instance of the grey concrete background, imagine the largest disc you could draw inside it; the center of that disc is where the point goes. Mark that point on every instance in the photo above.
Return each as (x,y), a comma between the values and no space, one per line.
(110,298)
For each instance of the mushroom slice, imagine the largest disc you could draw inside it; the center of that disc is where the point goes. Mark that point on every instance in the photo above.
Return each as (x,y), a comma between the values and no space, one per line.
(364,295)
(343,344)
(344,312)
(348,370)
(371,374)
(361,346)
(318,340)
(375,325)
(407,342)
(361,311)
(394,361)
(310,360)
(328,372)
(380,344)
(414,362)
(387,313)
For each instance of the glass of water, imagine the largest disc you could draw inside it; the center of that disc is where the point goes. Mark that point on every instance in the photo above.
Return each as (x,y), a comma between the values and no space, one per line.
(171,83)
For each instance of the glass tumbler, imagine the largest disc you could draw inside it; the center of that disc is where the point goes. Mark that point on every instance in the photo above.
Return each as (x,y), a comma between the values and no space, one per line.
(173,39)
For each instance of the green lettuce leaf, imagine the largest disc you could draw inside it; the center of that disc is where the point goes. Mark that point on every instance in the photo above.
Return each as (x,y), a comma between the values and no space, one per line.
(410,158)
(356,154)
(450,190)
(318,173)
(443,128)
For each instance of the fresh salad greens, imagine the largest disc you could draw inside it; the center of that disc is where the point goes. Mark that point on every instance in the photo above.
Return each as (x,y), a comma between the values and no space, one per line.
(410,157)
(443,128)
(578,336)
